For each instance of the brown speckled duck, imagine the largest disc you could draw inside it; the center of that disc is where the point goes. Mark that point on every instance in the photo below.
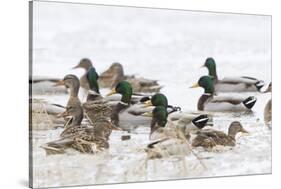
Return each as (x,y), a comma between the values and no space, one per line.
(86,139)
(111,77)
(209,138)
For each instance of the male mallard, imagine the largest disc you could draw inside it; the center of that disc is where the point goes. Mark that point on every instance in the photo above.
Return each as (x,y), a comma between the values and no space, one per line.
(209,102)
(115,74)
(209,138)
(232,84)
(267,114)
(168,139)
(187,121)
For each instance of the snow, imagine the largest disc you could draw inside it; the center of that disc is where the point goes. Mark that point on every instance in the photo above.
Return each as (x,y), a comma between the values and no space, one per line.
(166,45)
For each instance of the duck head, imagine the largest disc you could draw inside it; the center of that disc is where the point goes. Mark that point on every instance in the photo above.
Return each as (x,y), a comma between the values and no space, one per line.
(72,82)
(210,64)
(85,63)
(159,118)
(207,83)
(158,99)
(125,89)
(234,128)
(92,77)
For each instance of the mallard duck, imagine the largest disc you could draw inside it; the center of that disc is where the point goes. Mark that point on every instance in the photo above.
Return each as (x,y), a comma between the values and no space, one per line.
(185,120)
(267,113)
(168,139)
(232,84)
(210,102)
(209,138)
(160,120)
(115,74)
(71,81)
(86,139)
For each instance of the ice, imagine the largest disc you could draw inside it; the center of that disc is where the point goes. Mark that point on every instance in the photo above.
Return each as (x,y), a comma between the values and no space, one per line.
(166,45)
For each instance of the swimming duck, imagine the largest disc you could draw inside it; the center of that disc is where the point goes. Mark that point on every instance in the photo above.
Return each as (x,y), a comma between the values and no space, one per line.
(209,138)
(168,139)
(232,84)
(115,74)
(267,114)
(84,138)
(188,122)
(210,102)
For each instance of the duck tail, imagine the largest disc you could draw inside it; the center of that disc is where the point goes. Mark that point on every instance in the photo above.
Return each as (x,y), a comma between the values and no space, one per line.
(250,102)
(200,121)
(259,84)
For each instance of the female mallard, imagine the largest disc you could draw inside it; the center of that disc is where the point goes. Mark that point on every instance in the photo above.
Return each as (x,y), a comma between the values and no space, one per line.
(86,139)
(209,138)
(209,102)
(232,84)
(115,74)
(267,114)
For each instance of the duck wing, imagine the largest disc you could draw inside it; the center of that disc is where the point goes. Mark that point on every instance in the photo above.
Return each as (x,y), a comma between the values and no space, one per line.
(230,99)
(237,80)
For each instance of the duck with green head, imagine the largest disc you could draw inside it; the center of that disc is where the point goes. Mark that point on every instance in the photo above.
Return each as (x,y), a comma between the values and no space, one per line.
(167,138)
(210,102)
(232,84)
(188,121)
(121,112)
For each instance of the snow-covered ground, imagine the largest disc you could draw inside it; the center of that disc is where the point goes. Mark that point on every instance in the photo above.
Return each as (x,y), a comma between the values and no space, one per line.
(166,45)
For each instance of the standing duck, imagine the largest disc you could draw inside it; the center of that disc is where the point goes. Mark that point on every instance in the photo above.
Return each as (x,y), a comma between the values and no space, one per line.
(209,138)
(115,74)
(210,102)
(232,84)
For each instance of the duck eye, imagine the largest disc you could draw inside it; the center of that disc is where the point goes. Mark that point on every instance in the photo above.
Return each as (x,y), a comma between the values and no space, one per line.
(69,108)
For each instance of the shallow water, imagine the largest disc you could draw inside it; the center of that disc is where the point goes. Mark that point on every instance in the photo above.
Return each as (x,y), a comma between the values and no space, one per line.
(169,46)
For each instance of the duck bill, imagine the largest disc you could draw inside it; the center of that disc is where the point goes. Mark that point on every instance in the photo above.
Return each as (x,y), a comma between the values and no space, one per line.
(147,103)
(59,83)
(75,67)
(244,131)
(202,66)
(147,114)
(195,85)
(113,91)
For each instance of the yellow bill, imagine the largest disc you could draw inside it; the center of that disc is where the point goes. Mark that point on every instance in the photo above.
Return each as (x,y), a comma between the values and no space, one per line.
(147,103)
(113,91)
(195,85)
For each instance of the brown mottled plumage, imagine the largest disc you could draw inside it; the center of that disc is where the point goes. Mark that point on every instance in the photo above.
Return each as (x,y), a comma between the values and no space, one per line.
(113,75)
(209,138)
